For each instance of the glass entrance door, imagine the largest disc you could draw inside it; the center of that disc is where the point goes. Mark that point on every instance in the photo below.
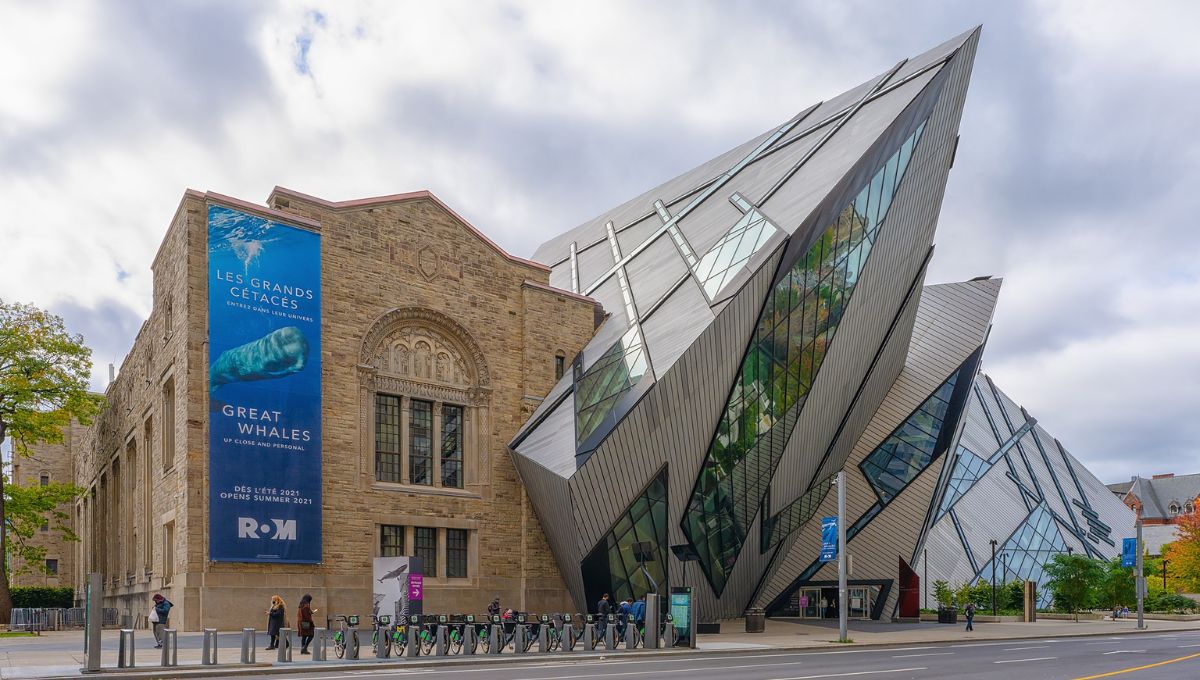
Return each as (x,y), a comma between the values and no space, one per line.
(862,601)
(810,603)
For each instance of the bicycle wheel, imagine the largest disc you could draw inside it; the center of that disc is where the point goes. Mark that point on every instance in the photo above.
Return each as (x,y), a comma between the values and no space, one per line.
(456,641)
(339,645)
(484,638)
(426,643)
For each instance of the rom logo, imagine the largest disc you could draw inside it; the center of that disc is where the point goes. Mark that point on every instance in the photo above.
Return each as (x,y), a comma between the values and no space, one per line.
(275,529)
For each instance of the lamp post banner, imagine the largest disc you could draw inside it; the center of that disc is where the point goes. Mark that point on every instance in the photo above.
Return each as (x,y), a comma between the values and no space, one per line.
(1129,552)
(264,389)
(829,539)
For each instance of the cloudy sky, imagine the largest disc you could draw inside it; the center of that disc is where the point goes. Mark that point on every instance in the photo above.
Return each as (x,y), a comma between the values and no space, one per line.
(1077,180)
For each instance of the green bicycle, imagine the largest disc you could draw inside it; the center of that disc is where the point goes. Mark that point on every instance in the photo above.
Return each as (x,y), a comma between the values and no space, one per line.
(339,637)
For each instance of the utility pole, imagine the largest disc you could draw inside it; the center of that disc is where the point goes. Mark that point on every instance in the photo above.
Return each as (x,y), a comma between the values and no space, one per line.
(1164,575)
(925,581)
(841,529)
(993,542)
(1141,579)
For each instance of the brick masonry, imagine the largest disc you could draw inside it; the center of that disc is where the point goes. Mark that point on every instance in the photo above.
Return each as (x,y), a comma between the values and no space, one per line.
(389,265)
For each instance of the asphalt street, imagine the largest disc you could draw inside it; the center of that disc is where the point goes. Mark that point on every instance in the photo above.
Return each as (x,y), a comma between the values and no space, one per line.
(1137,657)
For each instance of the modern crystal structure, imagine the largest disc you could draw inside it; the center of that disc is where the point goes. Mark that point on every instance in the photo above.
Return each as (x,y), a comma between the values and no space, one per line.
(767,325)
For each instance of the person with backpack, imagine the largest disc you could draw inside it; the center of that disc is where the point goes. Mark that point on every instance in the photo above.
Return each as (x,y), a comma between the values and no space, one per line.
(623,610)
(275,620)
(494,607)
(638,609)
(970,611)
(160,614)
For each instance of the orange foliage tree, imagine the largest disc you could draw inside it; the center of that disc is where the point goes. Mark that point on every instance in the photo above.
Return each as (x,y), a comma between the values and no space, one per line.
(1183,553)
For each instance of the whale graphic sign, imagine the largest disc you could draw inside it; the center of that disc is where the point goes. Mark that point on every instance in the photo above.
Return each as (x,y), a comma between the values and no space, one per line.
(264,389)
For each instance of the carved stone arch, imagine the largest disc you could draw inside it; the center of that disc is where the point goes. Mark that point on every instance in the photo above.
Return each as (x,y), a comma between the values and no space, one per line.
(474,365)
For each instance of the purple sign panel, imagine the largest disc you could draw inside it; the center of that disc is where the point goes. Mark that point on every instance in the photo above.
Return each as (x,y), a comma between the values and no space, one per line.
(416,586)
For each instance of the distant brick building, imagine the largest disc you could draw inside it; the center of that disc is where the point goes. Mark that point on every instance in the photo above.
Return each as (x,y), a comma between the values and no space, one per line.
(1159,501)
(45,464)
(431,338)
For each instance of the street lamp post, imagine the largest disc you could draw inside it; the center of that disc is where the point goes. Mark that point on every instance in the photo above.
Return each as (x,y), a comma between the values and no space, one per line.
(993,542)
(1164,574)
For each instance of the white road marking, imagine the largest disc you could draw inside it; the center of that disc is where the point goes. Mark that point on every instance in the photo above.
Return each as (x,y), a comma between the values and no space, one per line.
(1040,658)
(851,674)
(909,656)
(1016,649)
(1186,646)
(1125,651)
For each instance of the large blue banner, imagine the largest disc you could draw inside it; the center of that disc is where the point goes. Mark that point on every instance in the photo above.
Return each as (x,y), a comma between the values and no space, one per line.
(1129,552)
(829,539)
(264,372)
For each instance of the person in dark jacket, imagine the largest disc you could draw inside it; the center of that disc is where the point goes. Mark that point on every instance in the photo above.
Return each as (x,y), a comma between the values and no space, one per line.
(304,622)
(623,610)
(638,609)
(494,607)
(275,620)
(162,612)
(603,608)
(970,616)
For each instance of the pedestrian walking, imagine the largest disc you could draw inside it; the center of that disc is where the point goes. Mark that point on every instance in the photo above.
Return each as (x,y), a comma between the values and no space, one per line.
(494,607)
(275,620)
(638,609)
(160,613)
(970,616)
(623,610)
(304,621)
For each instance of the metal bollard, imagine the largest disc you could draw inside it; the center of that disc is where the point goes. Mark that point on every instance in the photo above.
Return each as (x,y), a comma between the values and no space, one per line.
(170,648)
(414,637)
(610,636)
(248,648)
(125,649)
(544,636)
(285,645)
(497,639)
(669,636)
(208,654)
(351,642)
(631,633)
(320,644)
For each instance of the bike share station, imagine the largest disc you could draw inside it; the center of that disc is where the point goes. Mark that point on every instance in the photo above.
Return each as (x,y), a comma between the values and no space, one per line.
(417,635)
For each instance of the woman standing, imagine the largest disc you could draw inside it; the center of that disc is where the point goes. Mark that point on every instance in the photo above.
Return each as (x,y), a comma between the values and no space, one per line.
(304,621)
(275,616)
(159,615)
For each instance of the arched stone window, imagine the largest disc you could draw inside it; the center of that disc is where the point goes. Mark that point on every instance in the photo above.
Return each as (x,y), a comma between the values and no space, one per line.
(425,403)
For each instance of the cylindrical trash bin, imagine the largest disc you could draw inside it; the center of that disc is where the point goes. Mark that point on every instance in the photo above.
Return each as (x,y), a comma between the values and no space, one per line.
(756,620)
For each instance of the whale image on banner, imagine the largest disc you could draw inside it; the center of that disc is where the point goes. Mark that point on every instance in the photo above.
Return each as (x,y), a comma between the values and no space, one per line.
(264,361)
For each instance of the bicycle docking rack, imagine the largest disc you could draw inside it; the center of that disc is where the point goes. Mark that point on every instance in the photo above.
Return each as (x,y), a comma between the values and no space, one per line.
(520,635)
(413,637)
(496,636)
(470,636)
(442,637)
(382,646)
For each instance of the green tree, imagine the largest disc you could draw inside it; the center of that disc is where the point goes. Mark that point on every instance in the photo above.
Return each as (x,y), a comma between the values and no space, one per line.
(1117,586)
(26,510)
(44,373)
(1074,580)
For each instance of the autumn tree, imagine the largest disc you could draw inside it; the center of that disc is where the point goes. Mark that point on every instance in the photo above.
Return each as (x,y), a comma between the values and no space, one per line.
(1183,554)
(44,372)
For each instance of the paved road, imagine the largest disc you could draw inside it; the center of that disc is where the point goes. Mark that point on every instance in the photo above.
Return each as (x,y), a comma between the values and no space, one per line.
(1052,659)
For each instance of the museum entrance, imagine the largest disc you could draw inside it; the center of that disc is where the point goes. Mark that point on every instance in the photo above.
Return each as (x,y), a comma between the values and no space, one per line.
(820,601)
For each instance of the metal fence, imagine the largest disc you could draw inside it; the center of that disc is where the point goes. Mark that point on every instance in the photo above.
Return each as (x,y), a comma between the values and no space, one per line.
(37,619)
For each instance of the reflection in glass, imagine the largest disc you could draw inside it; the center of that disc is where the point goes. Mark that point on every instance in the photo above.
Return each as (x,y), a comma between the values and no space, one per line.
(729,255)
(598,389)
(794,332)
(968,469)
(612,565)
(910,448)
(1027,551)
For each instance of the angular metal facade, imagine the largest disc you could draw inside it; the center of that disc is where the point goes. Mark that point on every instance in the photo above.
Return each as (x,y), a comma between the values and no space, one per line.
(767,325)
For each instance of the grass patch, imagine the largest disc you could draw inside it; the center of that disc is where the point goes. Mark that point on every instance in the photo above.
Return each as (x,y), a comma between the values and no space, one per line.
(15,634)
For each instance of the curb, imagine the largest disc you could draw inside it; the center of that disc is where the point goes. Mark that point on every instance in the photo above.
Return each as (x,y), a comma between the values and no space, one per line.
(368,664)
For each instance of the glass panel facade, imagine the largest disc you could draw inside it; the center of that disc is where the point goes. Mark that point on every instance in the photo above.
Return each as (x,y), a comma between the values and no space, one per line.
(911,447)
(456,553)
(729,256)
(452,446)
(794,332)
(1026,552)
(799,511)
(391,541)
(968,469)
(598,389)
(612,567)
(387,438)
(420,442)
(425,547)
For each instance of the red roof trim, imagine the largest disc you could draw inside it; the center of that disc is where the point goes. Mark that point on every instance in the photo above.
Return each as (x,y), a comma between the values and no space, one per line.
(400,198)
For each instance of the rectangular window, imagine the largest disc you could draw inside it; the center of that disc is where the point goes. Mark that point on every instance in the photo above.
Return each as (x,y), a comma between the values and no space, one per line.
(168,552)
(559,366)
(420,442)
(452,446)
(456,553)
(52,567)
(44,480)
(387,438)
(168,424)
(425,547)
(391,541)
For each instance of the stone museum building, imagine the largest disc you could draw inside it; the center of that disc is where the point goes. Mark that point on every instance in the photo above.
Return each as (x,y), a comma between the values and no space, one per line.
(321,384)
(435,345)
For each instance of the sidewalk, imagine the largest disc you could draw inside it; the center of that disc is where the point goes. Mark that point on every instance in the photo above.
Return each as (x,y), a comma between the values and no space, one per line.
(60,654)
